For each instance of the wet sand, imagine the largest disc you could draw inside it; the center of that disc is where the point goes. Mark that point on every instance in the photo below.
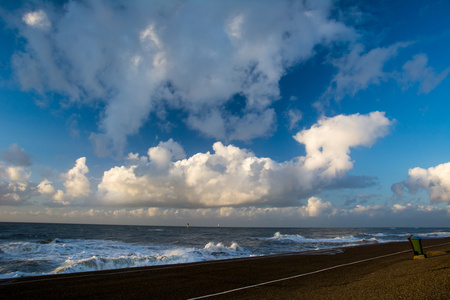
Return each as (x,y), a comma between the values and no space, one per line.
(380,271)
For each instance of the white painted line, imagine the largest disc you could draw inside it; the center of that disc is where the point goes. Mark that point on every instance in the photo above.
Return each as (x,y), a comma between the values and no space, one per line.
(304,274)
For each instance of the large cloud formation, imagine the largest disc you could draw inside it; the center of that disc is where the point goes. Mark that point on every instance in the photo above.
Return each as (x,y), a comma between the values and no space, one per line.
(236,177)
(141,57)
(228,177)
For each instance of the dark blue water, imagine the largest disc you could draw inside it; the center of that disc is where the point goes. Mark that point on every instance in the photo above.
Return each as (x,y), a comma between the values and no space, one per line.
(36,249)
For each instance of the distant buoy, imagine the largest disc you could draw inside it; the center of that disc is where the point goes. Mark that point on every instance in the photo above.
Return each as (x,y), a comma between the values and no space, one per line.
(187,225)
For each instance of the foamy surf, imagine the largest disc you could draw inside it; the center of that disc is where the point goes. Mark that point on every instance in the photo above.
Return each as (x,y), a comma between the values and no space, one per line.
(72,256)
(38,249)
(301,239)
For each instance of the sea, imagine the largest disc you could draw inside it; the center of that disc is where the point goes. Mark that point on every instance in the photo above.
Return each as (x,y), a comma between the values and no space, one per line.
(34,249)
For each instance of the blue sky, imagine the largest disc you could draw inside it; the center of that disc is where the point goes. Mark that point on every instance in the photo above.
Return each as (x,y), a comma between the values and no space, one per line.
(239,113)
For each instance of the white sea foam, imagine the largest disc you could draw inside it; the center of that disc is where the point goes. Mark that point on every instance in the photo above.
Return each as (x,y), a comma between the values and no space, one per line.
(21,247)
(372,240)
(390,237)
(219,247)
(301,239)
(90,255)
(438,234)
(379,234)
(107,263)
(140,257)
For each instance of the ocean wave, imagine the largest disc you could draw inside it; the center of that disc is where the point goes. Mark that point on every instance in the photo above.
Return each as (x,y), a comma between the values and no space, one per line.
(211,251)
(219,247)
(301,239)
(437,234)
(380,234)
(371,240)
(96,263)
(395,236)
(92,255)
(21,248)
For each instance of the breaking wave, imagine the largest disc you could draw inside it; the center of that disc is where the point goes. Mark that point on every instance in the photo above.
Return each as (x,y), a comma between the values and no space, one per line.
(301,239)
(72,256)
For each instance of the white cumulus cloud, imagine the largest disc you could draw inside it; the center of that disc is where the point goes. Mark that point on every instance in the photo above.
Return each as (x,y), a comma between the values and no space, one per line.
(75,181)
(434,180)
(328,142)
(316,207)
(166,152)
(232,176)
(46,188)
